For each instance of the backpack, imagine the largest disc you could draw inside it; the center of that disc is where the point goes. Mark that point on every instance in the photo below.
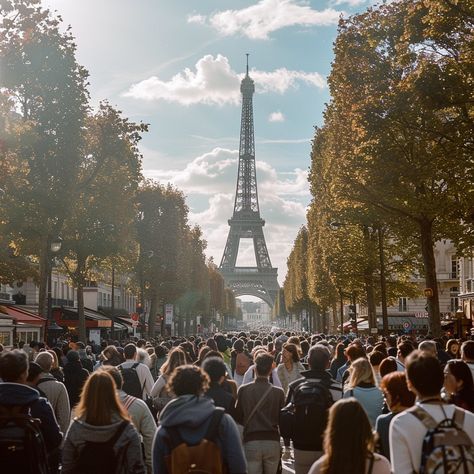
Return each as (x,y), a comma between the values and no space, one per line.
(446,446)
(242,363)
(131,381)
(22,448)
(202,458)
(304,419)
(100,457)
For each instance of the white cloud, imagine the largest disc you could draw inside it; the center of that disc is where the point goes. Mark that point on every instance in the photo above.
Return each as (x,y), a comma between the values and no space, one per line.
(199,19)
(276,117)
(214,82)
(267,16)
(283,198)
(351,3)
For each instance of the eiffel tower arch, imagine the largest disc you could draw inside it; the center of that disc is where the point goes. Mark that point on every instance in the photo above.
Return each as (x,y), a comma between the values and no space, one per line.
(246,223)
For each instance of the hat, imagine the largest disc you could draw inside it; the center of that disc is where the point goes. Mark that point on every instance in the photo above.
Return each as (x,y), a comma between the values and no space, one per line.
(72,356)
(283,338)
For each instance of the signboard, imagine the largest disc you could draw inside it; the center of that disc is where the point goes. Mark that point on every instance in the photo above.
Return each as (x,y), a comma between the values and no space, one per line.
(94,335)
(374,330)
(134,316)
(421,314)
(407,325)
(134,324)
(428,292)
(168,314)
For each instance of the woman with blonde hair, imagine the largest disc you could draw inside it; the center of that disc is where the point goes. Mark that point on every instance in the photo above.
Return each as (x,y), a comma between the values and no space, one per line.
(362,387)
(101,438)
(159,392)
(356,446)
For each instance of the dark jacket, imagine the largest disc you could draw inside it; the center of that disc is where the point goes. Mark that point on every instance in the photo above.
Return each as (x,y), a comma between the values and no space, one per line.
(192,415)
(314,441)
(222,398)
(74,379)
(14,394)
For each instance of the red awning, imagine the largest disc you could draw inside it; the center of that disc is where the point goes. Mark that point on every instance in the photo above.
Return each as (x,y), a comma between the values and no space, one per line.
(22,316)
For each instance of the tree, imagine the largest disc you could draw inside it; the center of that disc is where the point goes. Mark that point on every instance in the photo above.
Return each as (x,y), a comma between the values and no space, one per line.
(387,137)
(100,225)
(45,90)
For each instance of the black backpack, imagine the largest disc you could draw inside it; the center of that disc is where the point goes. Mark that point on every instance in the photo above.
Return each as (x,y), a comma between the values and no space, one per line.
(304,419)
(22,448)
(131,381)
(446,446)
(100,457)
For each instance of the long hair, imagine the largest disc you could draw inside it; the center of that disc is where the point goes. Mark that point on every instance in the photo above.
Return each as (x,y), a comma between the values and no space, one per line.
(99,400)
(356,445)
(361,372)
(176,357)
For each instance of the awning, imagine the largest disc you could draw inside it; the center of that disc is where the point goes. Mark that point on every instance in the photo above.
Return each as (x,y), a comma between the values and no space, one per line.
(69,316)
(21,316)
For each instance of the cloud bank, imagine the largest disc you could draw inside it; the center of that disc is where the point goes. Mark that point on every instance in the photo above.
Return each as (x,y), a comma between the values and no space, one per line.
(267,16)
(214,82)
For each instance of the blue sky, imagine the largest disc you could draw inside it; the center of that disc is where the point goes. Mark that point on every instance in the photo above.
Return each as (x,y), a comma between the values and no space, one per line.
(177,64)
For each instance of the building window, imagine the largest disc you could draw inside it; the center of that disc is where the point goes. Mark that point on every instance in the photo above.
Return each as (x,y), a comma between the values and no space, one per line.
(403,305)
(454,267)
(5,338)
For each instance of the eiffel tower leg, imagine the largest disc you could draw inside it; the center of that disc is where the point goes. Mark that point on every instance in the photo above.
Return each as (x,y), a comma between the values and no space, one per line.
(231,250)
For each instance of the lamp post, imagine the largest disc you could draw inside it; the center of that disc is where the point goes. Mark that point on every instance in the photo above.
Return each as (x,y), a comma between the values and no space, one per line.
(54,247)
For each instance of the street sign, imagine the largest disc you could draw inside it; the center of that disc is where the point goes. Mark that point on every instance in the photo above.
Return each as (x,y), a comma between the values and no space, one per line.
(407,325)
(134,324)
(134,316)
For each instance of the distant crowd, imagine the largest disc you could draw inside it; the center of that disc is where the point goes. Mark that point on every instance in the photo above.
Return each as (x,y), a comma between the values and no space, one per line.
(239,403)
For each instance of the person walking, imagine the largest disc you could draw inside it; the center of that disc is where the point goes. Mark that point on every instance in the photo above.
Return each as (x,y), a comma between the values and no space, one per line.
(349,450)
(257,410)
(398,399)
(137,377)
(459,385)
(409,429)
(140,414)
(101,439)
(55,391)
(17,398)
(189,419)
(75,377)
(310,414)
(361,385)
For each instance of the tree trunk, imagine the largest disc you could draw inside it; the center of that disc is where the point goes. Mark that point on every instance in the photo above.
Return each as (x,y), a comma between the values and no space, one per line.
(370,295)
(44,265)
(383,283)
(342,312)
(429,264)
(81,265)
(152,315)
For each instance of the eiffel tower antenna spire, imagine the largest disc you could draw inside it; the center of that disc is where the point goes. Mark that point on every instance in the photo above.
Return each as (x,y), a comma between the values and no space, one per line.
(246,223)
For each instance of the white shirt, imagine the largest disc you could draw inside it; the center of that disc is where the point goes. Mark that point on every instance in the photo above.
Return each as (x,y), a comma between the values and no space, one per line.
(144,375)
(407,433)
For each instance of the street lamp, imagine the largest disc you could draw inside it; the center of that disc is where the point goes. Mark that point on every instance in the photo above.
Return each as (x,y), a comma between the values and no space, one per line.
(53,328)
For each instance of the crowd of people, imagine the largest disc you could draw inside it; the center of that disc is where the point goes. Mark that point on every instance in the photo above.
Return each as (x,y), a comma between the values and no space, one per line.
(239,403)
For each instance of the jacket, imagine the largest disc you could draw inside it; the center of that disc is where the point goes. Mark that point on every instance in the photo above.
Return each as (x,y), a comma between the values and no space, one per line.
(192,415)
(74,379)
(264,423)
(222,398)
(57,395)
(143,421)
(14,394)
(127,447)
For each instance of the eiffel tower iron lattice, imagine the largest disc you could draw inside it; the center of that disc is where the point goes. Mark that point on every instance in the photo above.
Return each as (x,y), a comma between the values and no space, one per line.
(246,223)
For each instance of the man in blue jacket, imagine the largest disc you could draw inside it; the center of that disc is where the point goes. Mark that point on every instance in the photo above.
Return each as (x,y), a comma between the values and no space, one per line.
(190,416)
(15,393)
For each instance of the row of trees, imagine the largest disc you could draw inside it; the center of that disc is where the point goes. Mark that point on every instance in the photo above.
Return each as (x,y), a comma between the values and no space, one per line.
(69,170)
(392,165)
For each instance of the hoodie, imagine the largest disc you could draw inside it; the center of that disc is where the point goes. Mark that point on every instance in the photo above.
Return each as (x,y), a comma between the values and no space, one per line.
(127,447)
(15,394)
(192,415)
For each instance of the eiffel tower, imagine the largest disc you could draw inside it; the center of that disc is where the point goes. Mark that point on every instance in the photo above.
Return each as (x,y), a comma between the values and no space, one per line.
(246,223)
